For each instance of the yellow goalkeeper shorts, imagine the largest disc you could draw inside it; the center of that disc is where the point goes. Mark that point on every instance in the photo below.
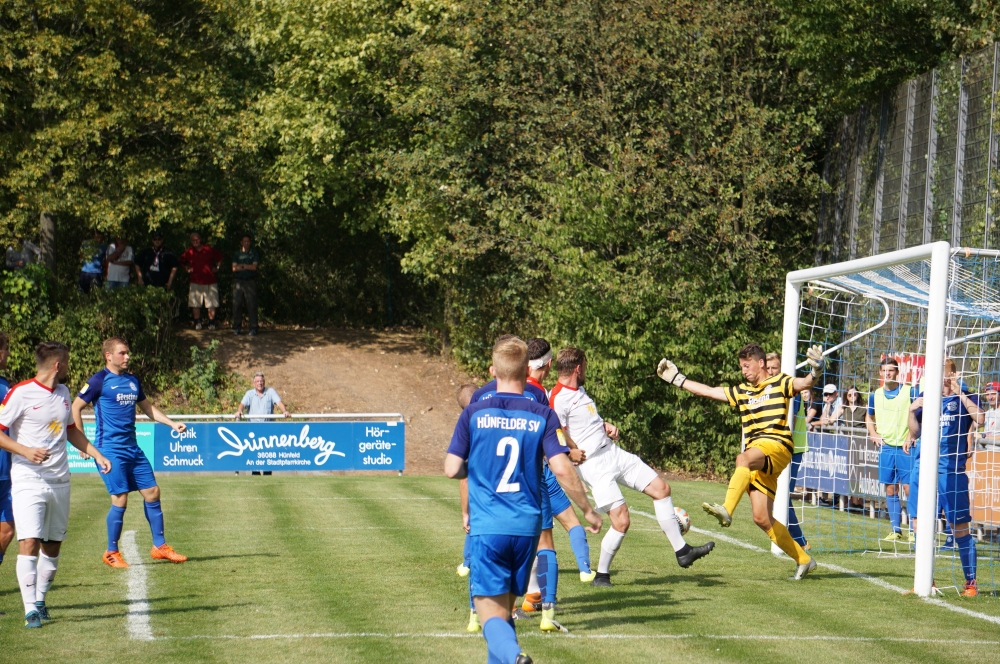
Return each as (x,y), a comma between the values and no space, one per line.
(777,456)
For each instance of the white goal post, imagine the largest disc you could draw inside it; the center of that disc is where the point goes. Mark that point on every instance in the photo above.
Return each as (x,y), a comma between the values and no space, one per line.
(935,299)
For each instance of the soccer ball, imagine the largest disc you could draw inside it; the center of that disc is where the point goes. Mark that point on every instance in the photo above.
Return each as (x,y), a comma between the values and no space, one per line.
(683,520)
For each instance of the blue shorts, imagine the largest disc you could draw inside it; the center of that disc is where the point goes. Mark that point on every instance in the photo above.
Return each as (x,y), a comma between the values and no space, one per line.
(501,564)
(894,465)
(554,500)
(130,471)
(953,496)
(6,507)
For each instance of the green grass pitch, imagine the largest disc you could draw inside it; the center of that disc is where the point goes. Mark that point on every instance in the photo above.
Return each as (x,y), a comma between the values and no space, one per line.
(362,569)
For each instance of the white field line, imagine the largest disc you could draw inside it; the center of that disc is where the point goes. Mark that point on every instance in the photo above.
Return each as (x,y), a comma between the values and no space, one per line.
(137,618)
(843,570)
(612,637)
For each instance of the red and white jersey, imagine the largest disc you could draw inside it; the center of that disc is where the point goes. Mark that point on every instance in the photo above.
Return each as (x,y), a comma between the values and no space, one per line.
(36,416)
(578,414)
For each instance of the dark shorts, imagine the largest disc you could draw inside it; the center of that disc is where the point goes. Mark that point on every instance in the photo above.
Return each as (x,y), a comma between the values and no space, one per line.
(130,471)
(501,564)
(6,509)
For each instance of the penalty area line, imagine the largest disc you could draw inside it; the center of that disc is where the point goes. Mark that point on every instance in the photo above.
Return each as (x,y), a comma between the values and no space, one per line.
(599,637)
(844,570)
(137,617)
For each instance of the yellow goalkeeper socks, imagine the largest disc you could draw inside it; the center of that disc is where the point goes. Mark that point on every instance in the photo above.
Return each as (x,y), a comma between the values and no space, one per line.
(737,487)
(780,536)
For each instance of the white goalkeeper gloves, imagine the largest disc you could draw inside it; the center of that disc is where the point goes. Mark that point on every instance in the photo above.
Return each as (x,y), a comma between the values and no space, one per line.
(815,359)
(667,370)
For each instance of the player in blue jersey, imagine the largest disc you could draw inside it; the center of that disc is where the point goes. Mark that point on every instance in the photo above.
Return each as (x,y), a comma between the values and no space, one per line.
(959,410)
(115,393)
(6,504)
(499,444)
(544,580)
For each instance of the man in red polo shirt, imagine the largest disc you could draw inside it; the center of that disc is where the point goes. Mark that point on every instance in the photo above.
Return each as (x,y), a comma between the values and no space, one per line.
(202,262)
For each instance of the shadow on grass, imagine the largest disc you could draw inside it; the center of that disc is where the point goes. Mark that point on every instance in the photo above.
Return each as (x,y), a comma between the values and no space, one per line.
(203,559)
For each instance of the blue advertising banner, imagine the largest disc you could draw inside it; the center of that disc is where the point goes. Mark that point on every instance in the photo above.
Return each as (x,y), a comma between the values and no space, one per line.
(219,446)
(825,466)
(143,436)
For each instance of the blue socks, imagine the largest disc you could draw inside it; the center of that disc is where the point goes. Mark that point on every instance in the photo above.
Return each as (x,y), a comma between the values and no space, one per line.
(892,503)
(501,641)
(548,575)
(155,517)
(581,549)
(967,552)
(466,556)
(116,517)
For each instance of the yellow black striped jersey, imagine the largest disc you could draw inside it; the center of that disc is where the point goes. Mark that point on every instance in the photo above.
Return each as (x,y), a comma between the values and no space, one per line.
(763,409)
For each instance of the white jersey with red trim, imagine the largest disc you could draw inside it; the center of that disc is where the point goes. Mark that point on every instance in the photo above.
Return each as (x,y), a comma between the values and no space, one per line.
(36,416)
(578,414)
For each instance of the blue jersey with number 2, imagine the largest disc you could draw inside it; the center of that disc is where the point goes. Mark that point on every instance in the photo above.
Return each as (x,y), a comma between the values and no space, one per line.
(504,439)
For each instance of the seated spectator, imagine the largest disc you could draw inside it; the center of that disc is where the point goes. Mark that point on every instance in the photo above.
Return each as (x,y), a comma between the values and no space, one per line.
(989,437)
(156,266)
(261,400)
(853,411)
(831,410)
(202,262)
(92,253)
(120,256)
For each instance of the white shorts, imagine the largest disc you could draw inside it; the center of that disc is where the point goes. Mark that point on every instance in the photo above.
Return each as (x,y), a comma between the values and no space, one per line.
(204,295)
(612,467)
(41,511)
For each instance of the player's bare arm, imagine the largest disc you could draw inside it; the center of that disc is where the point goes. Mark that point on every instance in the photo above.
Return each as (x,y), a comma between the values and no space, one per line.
(576,455)
(77,439)
(912,424)
(454,467)
(563,469)
(668,371)
(153,413)
(32,454)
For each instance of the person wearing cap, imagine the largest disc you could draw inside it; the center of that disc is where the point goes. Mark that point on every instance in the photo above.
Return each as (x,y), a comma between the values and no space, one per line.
(989,437)
(832,408)
(157,265)
(887,421)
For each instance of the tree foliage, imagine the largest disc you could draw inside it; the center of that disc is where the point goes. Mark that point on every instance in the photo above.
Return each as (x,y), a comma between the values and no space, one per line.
(634,177)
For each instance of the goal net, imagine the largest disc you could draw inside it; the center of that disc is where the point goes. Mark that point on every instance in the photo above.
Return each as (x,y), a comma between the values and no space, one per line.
(919,307)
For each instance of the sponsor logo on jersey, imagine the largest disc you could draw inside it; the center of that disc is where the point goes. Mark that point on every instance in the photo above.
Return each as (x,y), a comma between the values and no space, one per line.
(132,386)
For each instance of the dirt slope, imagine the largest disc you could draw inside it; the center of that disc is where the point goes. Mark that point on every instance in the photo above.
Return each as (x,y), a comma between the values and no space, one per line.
(334,370)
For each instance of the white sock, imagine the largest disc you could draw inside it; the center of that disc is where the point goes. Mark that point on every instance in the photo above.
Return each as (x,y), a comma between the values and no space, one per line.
(668,522)
(46,572)
(609,547)
(533,579)
(27,567)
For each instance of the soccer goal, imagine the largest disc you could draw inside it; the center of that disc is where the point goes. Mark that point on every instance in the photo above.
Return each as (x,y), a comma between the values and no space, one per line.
(918,306)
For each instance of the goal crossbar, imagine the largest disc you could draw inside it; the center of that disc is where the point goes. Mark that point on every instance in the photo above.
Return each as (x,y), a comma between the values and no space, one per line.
(887,276)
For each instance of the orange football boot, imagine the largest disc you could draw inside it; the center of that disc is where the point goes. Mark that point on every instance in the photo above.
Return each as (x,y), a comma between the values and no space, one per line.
(114,559)
(532,603)
(166,552)
(970,589)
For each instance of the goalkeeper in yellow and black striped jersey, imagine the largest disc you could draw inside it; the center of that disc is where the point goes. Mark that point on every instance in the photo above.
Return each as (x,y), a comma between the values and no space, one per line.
(762,402)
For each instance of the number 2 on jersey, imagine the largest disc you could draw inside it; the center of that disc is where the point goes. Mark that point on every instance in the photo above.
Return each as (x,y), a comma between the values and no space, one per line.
(506,486)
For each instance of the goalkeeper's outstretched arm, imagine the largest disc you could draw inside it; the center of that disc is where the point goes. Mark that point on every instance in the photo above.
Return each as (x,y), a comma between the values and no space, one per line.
(667,370)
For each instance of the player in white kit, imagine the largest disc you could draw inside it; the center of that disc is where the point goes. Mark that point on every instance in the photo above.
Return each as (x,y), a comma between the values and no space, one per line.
(35,423)
(607,466)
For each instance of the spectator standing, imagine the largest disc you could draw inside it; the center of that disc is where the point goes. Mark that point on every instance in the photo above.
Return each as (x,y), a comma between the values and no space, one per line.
(853,411)
(202,263)
(799,439)
(887,422)
(120,257)
(832,408)
(17,260)
(989,437)
(92,253)
(261,400)
(156,266)
(245,263)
